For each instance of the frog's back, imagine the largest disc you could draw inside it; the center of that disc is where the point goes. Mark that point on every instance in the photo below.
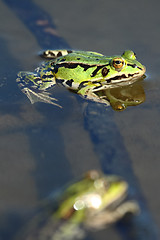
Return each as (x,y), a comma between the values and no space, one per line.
(85,57)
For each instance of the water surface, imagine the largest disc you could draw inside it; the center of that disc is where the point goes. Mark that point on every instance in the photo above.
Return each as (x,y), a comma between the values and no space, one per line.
(41,146)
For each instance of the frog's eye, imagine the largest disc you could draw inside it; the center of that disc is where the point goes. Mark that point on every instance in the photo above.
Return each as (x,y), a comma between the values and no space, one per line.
(135,56)
(118,63)
(129,54)
(92,175)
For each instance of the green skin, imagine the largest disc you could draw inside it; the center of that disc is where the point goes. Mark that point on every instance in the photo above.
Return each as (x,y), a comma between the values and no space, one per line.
(94,201)
(82,71)
(93,196)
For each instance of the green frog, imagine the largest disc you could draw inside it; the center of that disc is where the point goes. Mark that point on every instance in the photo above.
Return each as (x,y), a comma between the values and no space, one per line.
(84,72)
(92,202)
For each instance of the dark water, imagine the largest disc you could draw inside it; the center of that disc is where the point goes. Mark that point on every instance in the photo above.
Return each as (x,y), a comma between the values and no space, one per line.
(42,147)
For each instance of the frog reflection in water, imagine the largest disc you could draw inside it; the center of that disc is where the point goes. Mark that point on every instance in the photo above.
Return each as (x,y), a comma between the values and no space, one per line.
(121,97)
(94,202)
(81,71)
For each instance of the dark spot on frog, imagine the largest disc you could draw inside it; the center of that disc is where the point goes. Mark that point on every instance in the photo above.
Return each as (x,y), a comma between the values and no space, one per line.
(55,69)
(71,65)
(62,60)
(45,76)
(48,54)
(59,54)
(95,71)
(51,53)
(69,82)
(133,65)
(78,58)
(69,51)
(83,84)
(109,81)
(105,71)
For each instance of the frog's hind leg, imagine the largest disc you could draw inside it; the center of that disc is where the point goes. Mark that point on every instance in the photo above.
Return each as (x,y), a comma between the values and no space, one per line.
(52,54)
(32,85)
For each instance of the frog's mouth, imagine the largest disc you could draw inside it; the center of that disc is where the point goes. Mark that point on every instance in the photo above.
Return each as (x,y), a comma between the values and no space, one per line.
(119,81)
(125,78)
(125,81)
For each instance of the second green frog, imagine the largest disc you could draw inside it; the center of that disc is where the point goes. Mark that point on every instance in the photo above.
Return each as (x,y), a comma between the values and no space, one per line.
(90,203)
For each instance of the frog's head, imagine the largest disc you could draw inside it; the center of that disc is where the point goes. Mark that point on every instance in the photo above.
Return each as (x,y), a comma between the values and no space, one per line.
(90,196)
(123,69)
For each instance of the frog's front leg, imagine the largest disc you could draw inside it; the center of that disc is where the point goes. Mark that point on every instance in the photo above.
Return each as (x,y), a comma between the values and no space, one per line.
(87,92)
(34,84)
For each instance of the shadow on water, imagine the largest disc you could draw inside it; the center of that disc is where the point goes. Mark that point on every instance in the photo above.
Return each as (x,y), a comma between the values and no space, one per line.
(116,160)
(43,135)
(17,120)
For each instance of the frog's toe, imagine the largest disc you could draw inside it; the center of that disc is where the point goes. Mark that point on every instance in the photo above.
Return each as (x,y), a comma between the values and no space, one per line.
(26,79)
(37,96)
(46,98)
(20,77)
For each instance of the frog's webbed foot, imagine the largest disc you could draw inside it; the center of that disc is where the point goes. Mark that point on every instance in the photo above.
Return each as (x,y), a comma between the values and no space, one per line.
(26,82)
(40,97)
